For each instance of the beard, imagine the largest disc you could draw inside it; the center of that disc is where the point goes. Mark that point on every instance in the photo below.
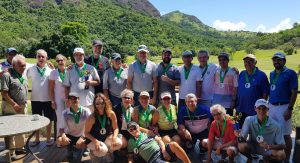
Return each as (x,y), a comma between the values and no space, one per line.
(167,60)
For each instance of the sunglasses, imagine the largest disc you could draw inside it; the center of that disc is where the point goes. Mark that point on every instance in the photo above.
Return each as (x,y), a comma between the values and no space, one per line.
(131,129)
(166,98)
(127,98)
(73,98)
(59,60)
(216,114)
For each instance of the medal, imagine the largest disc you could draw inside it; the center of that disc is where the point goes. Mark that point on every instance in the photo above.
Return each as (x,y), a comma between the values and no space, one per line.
(273,87)
(222,77)
(221,85)
(103,131)
(189,144)
(136,151)
(247,85)
(136,144)
(259,139)
(43,78)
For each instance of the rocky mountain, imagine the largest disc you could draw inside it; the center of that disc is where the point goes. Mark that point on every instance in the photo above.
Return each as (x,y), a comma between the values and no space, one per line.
(141,6)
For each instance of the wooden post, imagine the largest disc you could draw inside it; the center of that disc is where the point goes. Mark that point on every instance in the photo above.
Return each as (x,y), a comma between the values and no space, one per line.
(296,156)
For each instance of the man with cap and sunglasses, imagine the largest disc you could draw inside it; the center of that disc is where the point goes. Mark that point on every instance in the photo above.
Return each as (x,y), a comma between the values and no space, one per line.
(253,84)
(283,94)
(142,76)
(115,80)
(152,150)
(5,65)
(168,75)
(265,135)
(100,62)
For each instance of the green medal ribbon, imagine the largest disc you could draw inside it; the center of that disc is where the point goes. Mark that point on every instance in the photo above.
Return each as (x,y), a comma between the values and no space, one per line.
(102,120)
(96,65)
(143,67)
(187,72)
(188,112)
(166,69)
(205,69)
(276,76)
(127,115)
(76,116)
(169,115)
(19,76)
(41,71)
(118,73)
(80,72)
(261,129)
(248,79)
(61,74)
(223,128)
(146,115)
(137,142)
(222,77)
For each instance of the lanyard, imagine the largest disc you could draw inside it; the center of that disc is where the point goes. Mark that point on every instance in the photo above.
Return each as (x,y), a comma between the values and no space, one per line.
(126,114)
(276,76)
(102,120)
(61,74)
(19,76)
(248,79)
(76,116)
(188,112)
(222,77)
(41,71)
(118,73)
(98,60)
(142,67)
(137,142)
(205,69)
(261,129)
(223,128)
(166,69)
(146,114)
(169,115)
(80,72)
(187,72)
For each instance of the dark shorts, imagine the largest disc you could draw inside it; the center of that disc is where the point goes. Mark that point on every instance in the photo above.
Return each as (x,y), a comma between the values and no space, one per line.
(73,139)
(159,158)
(126,134)
(202,135)
(170,133)
(43,109)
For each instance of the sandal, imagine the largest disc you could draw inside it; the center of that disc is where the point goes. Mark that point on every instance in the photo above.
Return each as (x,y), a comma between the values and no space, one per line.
(35,143)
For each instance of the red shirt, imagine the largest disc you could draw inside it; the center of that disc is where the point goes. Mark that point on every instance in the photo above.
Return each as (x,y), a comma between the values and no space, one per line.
(215,132)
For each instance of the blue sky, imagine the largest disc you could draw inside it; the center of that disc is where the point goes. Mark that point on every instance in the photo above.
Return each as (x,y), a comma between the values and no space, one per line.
(252,15)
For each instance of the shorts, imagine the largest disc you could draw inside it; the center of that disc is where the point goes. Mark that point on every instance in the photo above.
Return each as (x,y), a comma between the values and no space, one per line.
(159,158)
(43,108)
(170,133)
(256,149)
(202,135)
(126,134)
(73,139)
(276,112)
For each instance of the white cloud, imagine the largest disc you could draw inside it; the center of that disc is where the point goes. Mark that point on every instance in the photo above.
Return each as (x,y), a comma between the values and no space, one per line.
(227,25)
(284,24)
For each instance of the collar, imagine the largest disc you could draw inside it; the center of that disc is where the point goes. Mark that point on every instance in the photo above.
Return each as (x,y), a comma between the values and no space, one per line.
(256,121)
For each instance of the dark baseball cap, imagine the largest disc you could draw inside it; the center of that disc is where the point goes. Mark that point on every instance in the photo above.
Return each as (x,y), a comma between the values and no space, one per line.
(11,50)
(98,43)
(116,56)
(132,123)
(167,50)
(187,53)
(224,55)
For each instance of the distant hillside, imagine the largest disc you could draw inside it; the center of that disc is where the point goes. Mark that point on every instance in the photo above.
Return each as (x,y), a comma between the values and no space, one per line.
(141,6)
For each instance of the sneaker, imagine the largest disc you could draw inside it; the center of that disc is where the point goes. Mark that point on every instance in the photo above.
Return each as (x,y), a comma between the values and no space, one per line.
(13,157)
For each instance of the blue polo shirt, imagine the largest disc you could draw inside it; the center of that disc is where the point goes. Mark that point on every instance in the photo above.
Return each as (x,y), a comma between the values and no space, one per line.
(286,82)
(197,121)
(246,97)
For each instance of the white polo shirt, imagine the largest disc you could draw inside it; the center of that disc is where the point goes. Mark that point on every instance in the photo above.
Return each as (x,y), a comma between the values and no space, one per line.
(208,78)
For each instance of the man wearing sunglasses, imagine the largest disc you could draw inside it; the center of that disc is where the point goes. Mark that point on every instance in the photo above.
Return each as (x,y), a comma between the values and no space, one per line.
(265,135)
(152,150)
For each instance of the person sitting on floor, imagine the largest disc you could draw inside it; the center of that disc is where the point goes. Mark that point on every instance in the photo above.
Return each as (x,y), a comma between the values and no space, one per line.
(71,130)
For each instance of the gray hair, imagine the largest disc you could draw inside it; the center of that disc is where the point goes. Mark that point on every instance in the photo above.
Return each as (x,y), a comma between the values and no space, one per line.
(41,51)
(17,59)
(218,108)
(190,96)
(127,92)
(203,52)
(61,56)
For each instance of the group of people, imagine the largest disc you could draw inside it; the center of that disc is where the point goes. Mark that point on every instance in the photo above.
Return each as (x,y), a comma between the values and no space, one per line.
(106,106)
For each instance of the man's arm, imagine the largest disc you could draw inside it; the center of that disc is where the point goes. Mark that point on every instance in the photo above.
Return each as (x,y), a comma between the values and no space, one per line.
(8,99)
(155,89)
(129,82)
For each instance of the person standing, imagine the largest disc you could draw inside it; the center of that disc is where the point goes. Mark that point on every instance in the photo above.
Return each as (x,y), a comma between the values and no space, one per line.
(40,100)
(115,80)
(10,54)
(253,84)
(168,76)
(100,62)
(142,76)
(283,94)
(14,91)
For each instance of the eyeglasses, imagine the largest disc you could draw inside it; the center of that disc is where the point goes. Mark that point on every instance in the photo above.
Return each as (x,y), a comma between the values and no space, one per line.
(262,108)
(127,98)
(166,98)
(131,129)
(59,60)
(216,114)
(73,98)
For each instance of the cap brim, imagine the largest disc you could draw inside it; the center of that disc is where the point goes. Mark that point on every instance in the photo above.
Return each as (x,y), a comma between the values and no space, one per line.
(143,50)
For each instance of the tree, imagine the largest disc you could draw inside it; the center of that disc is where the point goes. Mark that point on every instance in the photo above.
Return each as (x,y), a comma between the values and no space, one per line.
(288,48)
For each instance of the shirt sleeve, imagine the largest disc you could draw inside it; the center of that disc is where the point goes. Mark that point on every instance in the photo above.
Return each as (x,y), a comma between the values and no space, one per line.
(154,67)
(130,70)
(105,79)
(95,75)
(235,79)
(211,134)
(177,73)
(52,75)
(5,82)
(245,128)
(293,81)
(67,81)
(266,84)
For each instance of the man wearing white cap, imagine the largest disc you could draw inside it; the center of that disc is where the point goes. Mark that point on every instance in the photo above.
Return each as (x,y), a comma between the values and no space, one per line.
(265,135)
(253,84)
(81,79)
(283,94)
(142,76)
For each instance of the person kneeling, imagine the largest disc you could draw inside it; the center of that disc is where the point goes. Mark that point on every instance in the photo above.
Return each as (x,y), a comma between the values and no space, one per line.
(152,150)
(265,135)
(71,131)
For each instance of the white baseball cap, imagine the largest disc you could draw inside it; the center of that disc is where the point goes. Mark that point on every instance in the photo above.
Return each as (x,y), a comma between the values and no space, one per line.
(78,50)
